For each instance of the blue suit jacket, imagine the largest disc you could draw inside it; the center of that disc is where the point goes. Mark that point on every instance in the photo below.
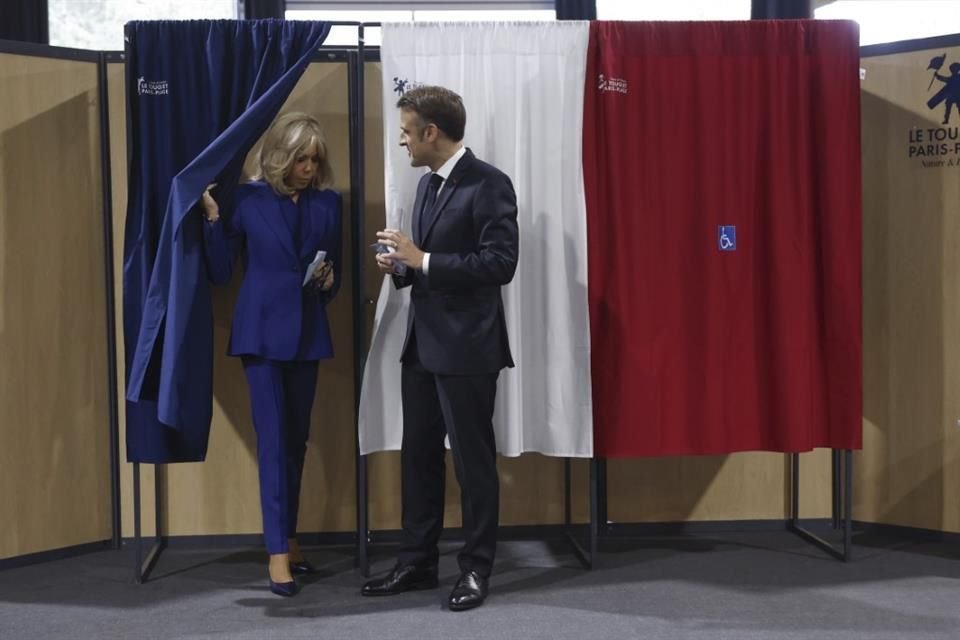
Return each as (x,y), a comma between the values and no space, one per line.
(275,317)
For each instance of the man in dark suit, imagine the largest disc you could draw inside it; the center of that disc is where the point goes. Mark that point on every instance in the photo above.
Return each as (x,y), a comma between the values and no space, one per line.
(464,248)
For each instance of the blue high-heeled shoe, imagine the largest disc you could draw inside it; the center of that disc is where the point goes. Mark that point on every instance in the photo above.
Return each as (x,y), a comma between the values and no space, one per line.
(285,589)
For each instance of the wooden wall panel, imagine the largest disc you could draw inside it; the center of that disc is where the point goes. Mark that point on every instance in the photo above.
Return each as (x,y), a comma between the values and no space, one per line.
(54,435)
(909,471)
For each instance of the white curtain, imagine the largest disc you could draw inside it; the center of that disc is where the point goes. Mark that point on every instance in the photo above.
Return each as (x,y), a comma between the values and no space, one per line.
(522,85)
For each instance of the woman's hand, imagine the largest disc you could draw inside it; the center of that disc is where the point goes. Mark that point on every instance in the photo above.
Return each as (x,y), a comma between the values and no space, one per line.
(211,210)
(323,276)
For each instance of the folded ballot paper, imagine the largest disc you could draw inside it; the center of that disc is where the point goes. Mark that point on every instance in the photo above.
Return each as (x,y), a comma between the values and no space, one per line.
(320,257)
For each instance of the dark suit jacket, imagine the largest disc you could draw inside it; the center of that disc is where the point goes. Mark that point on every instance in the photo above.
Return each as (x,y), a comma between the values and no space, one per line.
(473,241)
(275,316)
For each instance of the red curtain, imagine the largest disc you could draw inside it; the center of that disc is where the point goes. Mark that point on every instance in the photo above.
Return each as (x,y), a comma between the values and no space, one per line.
(690,127)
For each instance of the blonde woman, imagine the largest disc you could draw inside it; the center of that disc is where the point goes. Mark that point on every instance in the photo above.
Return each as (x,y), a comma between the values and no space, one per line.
(279,223)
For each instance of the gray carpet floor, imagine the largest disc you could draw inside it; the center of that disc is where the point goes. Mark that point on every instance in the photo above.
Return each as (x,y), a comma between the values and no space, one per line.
(768,585)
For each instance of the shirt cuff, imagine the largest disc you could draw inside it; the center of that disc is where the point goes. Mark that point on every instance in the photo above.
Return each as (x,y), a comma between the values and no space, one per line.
(425,267)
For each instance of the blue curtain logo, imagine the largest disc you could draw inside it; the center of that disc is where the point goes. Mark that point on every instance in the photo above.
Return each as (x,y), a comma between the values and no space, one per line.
(727,237)
(152,87)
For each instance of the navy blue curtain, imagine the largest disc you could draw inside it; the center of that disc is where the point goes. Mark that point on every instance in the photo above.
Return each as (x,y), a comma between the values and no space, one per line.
(199,94)
(576,9)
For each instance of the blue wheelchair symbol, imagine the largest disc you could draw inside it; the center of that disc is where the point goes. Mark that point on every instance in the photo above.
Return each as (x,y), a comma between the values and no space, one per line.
(727,238)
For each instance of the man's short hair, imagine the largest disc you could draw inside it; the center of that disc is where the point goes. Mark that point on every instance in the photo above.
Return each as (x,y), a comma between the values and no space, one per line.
(438,106)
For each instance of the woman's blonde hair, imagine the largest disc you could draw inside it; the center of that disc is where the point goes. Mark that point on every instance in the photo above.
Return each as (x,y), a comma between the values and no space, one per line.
(290,134)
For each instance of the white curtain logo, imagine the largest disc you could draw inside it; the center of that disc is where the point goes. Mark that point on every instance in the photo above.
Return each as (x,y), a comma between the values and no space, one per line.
(616,85)
(152,87)
(402,85)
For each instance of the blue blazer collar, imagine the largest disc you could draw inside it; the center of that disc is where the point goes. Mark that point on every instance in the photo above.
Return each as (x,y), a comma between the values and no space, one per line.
(273,218)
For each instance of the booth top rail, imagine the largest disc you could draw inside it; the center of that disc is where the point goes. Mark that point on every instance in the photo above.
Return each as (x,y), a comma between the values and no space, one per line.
(19,48)
(908,46)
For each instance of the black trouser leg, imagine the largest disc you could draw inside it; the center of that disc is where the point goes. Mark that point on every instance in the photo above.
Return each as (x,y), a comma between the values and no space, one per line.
(423,466)
(467,404)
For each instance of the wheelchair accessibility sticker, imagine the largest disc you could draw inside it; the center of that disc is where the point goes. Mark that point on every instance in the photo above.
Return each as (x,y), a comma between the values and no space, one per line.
(727,237)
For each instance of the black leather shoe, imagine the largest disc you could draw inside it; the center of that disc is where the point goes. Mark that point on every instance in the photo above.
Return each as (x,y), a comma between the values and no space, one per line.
(469,592)
(285,589)
(302,568)
(400,579)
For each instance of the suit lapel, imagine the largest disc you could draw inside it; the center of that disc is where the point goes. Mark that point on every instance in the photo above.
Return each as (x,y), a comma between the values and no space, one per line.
(449,187)
(417,206)
(273,218)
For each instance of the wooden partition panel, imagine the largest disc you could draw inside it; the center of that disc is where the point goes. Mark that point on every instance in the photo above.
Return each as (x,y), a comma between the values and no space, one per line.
(740,486)
(230,499)
(909,471)
(54,422)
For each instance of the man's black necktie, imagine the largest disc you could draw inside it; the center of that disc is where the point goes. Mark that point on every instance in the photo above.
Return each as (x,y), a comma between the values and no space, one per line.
(430,201)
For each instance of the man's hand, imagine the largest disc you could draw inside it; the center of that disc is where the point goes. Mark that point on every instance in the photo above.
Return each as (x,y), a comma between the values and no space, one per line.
(405,251)
(384,263)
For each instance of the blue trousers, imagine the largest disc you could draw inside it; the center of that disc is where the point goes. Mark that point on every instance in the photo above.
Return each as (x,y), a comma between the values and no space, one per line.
(281,397)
